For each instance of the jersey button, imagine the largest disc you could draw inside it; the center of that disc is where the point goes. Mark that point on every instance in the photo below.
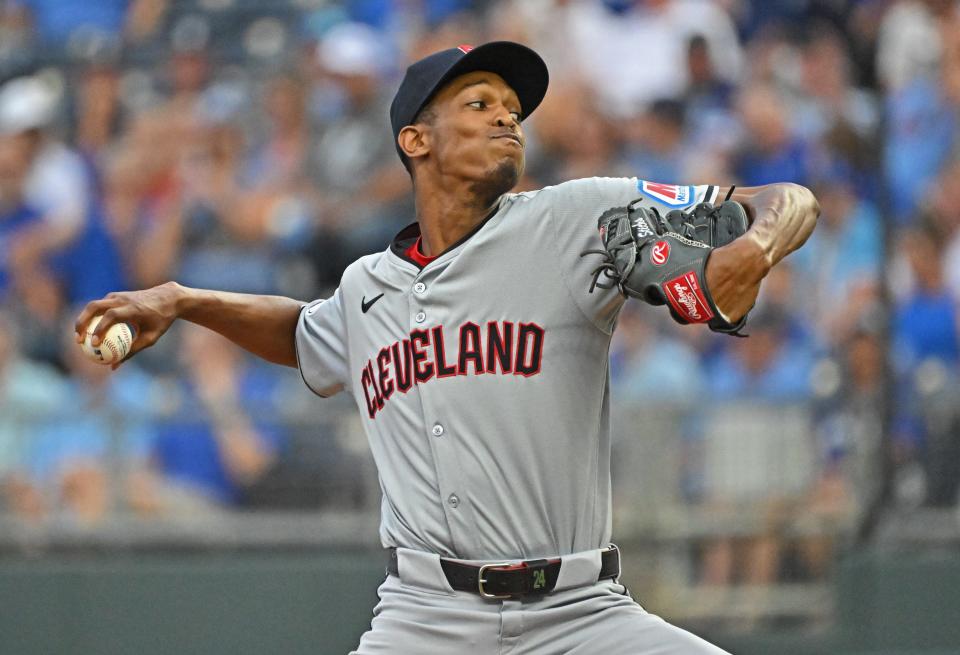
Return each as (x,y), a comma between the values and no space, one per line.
(454,501)
(437,430)
(419,287)
(420,317)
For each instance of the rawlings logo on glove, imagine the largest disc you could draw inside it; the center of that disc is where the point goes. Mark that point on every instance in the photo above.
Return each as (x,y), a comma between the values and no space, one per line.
(663,259)
(687,299)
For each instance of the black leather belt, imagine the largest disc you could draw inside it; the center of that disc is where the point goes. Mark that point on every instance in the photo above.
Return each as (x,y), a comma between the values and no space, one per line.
(531,577)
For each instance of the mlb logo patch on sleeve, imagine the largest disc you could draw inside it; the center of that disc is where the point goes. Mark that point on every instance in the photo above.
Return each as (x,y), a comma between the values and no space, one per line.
(668,194)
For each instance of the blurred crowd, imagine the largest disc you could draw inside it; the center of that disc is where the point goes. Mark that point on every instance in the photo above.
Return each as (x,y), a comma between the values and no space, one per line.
(244,145)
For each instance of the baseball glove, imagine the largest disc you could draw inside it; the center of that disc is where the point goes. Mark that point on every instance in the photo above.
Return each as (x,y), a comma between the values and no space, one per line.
(662,259)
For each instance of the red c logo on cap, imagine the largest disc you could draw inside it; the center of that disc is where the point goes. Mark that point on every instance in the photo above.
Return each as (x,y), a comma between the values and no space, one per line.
(464,48)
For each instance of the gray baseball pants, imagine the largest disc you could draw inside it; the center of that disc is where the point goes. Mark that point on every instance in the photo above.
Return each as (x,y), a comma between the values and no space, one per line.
(419,614)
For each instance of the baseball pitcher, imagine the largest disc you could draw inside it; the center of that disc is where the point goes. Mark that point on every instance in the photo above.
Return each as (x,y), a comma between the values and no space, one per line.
(476,349)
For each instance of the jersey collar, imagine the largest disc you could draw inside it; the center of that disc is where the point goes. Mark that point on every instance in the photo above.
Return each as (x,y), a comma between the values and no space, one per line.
(414,254)
(407,242)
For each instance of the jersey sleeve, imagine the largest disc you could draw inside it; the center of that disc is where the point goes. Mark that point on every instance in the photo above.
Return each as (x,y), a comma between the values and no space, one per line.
(575,208)
(321,341)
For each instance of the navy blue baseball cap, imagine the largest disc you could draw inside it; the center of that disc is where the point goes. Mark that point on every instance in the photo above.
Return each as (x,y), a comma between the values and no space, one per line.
(518,65)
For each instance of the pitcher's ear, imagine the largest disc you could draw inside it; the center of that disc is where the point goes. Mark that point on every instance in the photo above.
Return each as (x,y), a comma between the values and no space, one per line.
(414,140)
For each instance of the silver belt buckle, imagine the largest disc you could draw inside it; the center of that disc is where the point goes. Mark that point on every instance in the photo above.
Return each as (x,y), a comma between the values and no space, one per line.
(481,581)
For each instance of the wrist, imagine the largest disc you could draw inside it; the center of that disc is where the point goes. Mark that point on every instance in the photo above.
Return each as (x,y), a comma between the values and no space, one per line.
(184,299)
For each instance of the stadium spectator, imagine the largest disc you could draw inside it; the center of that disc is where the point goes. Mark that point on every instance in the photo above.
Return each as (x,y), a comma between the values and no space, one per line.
(926,354)
(708,99)
(570,138)
(364,194)
(143,200)
(843,258)
(766,367)
(920,139)
(828,99)
(228,230)
(658,148)
(176,190)
(649,364)
(47,220)
(925,323)
(546,25)
(98,115)
(849,429)
(55,182)
(16,36)
(29,392)
(937,389)
(160,136)
(909,45)
(209,445)
(279,163)
(384,14)
(705,88)
(57,23)
(923,130)
(772,151)
(766,375)
(15,215)
(942,207)
(79,455)
(633,51)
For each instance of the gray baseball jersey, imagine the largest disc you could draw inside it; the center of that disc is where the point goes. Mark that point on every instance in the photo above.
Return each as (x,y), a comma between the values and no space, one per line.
(482,377)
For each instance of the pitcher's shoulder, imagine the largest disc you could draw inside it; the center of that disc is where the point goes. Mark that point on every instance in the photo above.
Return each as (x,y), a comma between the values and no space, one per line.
(362,268)
(565,190)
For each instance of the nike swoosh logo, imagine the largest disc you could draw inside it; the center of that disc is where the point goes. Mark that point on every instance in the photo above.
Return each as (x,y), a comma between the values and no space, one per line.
(365,306)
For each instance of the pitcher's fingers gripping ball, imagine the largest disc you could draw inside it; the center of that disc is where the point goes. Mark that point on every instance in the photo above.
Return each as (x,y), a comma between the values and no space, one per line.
(113,347)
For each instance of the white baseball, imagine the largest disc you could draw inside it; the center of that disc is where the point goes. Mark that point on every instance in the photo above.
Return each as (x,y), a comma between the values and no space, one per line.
(114,345)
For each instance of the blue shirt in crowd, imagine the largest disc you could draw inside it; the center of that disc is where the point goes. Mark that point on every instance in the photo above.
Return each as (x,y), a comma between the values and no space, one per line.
(921,135)
(56,20)
(925,327)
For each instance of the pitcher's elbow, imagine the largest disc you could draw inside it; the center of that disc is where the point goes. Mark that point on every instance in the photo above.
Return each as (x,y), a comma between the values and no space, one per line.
(806,201)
